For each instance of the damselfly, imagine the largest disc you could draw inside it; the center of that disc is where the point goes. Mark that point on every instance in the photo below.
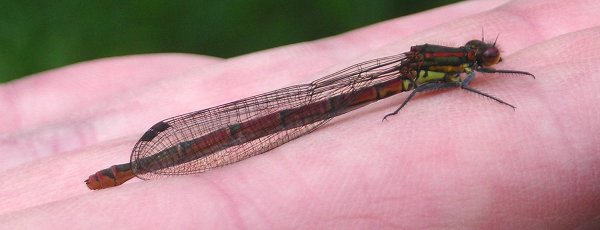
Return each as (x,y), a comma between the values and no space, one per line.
(225,134)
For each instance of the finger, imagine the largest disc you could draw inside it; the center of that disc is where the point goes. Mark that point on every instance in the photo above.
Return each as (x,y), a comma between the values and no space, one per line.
(53,95)
(406,199)
(134,111)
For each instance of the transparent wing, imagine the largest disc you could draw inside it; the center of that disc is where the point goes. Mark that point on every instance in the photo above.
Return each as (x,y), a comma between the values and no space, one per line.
(167,136)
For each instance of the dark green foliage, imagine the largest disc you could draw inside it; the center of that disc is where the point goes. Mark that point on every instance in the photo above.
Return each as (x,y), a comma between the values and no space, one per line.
(41,35)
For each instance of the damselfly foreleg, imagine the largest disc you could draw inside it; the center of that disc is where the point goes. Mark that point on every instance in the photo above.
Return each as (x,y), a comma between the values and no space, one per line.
(490,70)
(465,85)
(471,75)
(423,88)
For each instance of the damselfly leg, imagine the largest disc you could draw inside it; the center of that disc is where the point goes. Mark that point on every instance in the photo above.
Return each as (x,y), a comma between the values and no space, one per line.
(422,88)
(464,84)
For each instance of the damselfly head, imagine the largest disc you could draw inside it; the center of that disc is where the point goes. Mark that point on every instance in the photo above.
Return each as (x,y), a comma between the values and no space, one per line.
(486,54)
(490,56)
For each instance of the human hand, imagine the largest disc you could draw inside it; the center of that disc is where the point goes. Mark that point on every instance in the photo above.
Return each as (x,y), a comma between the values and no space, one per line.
(448,160)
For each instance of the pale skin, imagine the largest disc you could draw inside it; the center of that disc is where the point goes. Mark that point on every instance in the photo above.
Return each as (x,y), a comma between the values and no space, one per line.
(449,159)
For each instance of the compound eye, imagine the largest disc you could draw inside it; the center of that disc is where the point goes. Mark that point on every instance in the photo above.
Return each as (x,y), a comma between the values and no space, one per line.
(490,56)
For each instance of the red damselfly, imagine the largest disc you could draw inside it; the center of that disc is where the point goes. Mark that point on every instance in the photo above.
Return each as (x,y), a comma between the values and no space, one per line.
(225,134)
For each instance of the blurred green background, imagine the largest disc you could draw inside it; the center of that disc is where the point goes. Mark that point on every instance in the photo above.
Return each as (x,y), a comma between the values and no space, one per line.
(41,35)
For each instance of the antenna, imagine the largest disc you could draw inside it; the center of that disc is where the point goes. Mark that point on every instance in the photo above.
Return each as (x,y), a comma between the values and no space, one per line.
(496,40)
(482,35)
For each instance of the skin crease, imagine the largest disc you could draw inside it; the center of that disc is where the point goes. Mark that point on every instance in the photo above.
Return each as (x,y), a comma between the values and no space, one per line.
(449,160)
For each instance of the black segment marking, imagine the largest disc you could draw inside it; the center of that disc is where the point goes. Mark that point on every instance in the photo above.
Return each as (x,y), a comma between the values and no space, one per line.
(160,126)
(154,131)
